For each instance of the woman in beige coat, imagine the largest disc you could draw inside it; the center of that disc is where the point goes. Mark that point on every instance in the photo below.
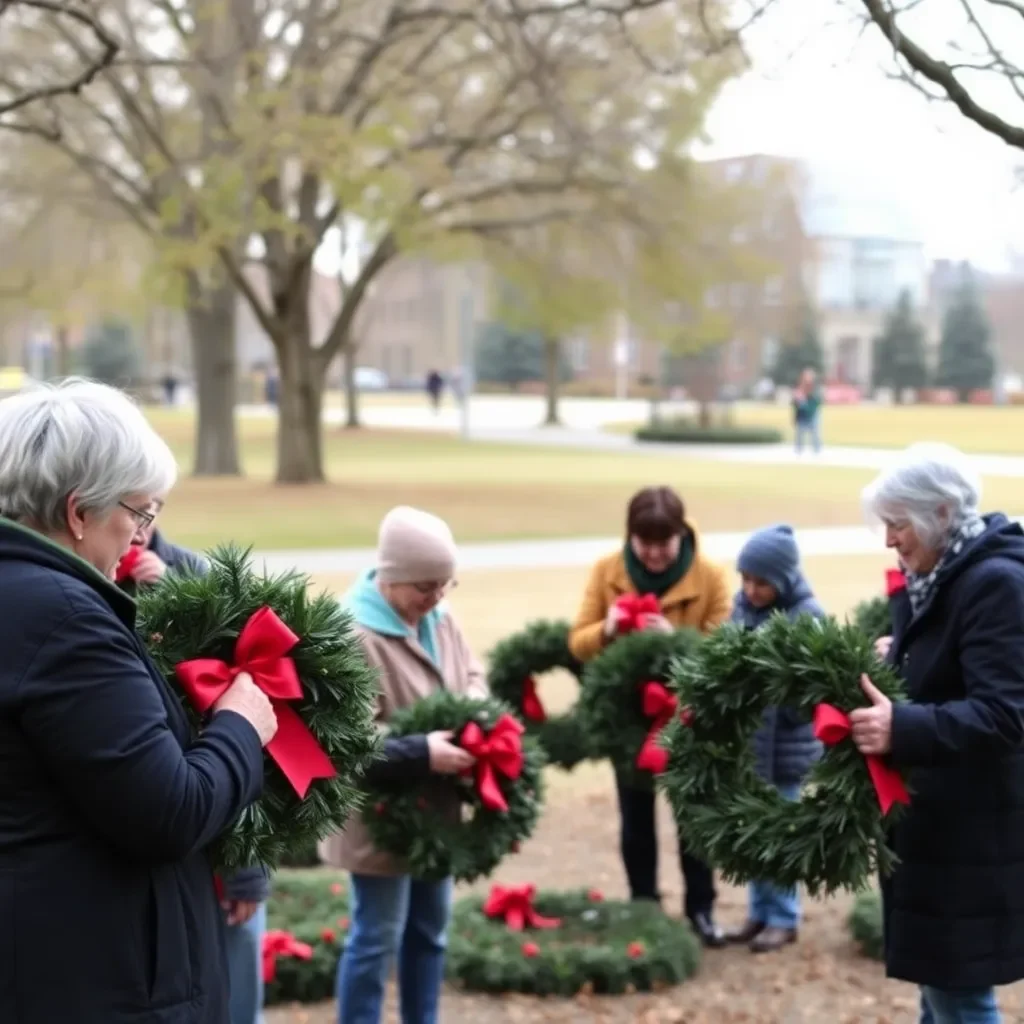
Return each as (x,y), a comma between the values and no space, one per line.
(417,648)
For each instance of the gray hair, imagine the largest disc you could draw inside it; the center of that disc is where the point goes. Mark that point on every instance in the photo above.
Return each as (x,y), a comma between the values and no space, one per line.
(931,485)
(76,437)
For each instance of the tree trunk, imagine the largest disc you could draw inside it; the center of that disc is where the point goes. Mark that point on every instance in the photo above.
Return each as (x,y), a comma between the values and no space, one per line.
(553,379)
(349,357)
(300,456)
(63,367)
(211,323)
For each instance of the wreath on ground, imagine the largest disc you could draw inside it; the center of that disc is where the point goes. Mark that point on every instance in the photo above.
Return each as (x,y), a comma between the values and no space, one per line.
(302,651)
(865,924)
(307,921)
(515,663)
(834,837)
(625,700)
(565,943)
(462,826)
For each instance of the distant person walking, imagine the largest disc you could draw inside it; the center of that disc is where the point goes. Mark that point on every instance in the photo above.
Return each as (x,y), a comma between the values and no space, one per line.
(435,385)
(807,402)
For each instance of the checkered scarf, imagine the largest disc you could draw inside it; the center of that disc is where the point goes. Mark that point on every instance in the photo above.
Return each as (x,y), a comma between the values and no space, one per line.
(921,587)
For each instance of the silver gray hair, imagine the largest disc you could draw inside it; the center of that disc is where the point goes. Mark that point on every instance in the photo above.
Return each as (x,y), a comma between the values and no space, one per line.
(932,486)
(76,437)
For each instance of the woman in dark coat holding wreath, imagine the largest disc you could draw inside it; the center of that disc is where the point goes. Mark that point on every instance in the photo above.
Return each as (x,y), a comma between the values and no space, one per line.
(107,804)
(954,907)
(661,556)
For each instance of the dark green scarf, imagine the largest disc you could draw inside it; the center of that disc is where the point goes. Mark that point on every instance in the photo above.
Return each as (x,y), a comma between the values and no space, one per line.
(657,583)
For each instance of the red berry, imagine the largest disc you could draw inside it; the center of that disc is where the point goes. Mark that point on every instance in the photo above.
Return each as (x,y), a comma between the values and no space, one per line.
(595,895)
(635,949)
(337,888)
(531,949)
(380,807)
(514,848)
(327,935)
(686,716)
(343,922)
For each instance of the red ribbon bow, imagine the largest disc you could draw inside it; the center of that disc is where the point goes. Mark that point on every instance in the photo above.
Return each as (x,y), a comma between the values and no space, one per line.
(514,903)
(501,750)
(129,560)
(831,726)
(635,610)
(660,705)
(277,943)
(533,710)
(895,581)
(260,650)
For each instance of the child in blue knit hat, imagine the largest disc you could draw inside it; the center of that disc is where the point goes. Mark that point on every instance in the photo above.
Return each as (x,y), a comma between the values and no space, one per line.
(784,745)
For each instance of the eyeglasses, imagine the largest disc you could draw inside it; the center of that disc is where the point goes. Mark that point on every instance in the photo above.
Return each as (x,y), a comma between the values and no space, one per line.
(428,589)
(141,518)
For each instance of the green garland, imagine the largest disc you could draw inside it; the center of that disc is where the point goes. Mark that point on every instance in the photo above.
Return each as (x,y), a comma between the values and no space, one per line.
(539,647)
(610,707)
(865,924)
(440,826)
(873,618)
(607,947)
(312,906)
(189,617)
(835,836)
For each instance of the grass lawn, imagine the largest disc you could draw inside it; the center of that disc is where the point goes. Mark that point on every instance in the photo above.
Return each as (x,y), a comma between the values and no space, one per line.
(983,429)
(490,492)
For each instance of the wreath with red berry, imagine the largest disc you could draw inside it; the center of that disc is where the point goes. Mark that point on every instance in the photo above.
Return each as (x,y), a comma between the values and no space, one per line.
(460,826)
(515,664)
(566,943)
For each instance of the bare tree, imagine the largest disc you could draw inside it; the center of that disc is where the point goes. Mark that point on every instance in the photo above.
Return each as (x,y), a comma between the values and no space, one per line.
(969,52)
(432,124)
(98,50)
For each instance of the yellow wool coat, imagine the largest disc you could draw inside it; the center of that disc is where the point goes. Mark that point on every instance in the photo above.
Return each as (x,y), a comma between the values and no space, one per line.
(702,599)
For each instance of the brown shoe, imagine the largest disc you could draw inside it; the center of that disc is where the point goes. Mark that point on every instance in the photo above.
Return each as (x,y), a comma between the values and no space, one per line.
(768,940)
(750,930)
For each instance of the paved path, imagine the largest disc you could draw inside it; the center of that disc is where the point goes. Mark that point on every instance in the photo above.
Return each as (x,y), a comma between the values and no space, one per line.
(567,552)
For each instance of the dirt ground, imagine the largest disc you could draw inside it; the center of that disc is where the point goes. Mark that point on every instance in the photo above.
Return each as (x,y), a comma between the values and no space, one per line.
(820,980)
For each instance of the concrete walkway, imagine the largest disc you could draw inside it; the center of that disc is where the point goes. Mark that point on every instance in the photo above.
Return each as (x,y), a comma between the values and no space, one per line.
(569,553)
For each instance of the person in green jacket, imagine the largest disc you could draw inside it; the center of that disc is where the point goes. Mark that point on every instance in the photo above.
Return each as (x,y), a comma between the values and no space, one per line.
(807,402)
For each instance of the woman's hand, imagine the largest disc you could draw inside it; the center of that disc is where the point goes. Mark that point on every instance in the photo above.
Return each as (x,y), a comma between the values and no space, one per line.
(239,911)
(882,646)
(613,620)
(872,727)
(445,757)
(149,568)
(245,698)
(657,624)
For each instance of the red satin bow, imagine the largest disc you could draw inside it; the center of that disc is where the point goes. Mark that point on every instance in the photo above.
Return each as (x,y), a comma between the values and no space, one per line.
(831,726)
(895,581)
(660,705)
(129,560)
(501,750)
(277,943)
(533,710)
(514,903)
(260,650)
(636,608)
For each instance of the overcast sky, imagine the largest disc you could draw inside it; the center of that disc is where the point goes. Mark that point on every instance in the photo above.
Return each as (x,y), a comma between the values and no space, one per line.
(820,91)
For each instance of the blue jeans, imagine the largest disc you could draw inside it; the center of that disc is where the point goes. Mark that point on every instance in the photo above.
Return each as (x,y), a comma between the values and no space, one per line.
(401,918)
(809,432)
(959,1006)
(245,968)
(772,906)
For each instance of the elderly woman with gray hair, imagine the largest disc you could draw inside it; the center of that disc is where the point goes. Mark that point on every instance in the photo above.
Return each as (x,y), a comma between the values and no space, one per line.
(107,803)
(954,907)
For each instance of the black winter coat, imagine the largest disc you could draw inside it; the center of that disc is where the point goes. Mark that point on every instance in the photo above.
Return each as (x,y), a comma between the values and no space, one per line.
(954,908)
(107,901)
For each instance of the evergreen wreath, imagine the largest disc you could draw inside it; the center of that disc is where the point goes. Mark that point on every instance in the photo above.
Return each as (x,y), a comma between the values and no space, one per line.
(606,947)
(230,617)
(612,708)
(514,664)
(874,616)
(835,836)
(462,826)
(306,909)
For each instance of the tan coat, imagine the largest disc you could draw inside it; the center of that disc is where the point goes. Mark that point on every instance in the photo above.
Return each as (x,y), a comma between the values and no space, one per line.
(700,600)
(407,675)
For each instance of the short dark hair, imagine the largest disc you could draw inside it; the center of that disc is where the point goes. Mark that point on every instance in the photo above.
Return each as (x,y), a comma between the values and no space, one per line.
(655,514)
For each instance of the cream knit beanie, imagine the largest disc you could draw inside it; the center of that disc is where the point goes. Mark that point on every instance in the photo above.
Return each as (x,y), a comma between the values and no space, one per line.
(414,547)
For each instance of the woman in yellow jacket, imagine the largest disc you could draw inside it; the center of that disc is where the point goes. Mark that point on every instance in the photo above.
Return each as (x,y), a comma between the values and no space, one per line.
(661,556)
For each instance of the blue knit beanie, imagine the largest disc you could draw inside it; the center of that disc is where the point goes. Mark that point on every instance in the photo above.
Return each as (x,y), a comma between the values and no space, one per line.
(771,554)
